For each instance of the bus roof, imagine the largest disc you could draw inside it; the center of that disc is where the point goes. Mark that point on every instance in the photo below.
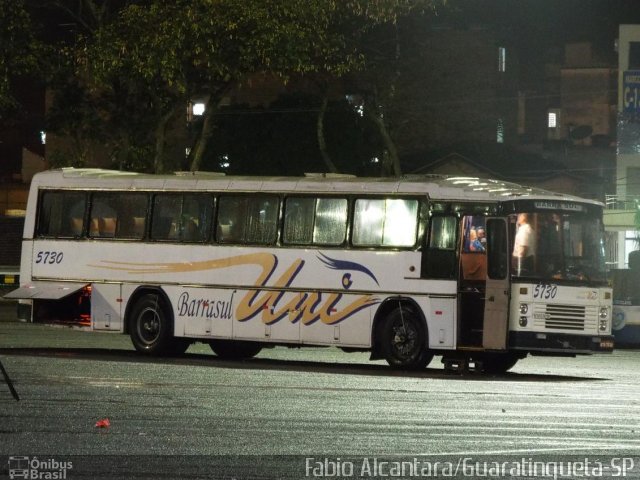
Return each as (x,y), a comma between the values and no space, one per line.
(436,187)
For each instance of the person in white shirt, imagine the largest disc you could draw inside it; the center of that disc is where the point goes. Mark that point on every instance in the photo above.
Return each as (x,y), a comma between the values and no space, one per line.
(524,247)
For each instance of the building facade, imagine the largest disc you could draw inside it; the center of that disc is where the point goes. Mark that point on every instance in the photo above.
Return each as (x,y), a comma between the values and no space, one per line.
(621,218)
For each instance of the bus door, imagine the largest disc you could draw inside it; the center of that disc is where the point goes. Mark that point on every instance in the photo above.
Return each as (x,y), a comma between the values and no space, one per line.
(472,281)
(496,305)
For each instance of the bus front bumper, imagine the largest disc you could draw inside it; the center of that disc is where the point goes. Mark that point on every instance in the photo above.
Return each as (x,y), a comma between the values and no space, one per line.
(560,342)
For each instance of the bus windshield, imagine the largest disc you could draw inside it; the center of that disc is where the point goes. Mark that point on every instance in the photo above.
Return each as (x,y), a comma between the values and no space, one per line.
(558,246)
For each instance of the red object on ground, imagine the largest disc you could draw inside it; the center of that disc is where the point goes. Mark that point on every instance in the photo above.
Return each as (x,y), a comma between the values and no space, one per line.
(104,423)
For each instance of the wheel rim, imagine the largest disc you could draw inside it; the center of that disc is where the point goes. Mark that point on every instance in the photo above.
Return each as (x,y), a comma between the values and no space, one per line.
(148,326)
(405,342)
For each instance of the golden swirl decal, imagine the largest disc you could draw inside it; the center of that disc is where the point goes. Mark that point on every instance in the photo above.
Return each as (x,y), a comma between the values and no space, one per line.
(305,307)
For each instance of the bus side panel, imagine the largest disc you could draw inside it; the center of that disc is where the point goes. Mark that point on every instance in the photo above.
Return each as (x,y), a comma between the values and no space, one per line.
(265,315)
(26,257)
(61,260)
(346,323)
(25,307)
(106,307)
(318,318)
(202,312)
(440,313)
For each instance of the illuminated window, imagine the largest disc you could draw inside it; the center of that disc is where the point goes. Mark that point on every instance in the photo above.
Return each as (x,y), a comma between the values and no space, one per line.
(442,235)
(385,222)
(502,59)
(553,120)
(500,131)
(198,109)
(321,221)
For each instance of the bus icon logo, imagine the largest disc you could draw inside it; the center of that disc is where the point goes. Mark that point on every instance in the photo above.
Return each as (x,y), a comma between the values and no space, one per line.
(18,467)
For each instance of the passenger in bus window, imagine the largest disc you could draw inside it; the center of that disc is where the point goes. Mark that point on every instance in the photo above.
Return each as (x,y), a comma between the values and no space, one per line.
(103,219)
(76,216)
(475,240)
(550,245)
(482,239)
(524,248)
(76,226)
(190,232)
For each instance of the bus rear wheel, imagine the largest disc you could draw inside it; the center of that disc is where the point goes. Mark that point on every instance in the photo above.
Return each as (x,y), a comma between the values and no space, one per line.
(235,350)
(498,362)
(403,341)
(151,328)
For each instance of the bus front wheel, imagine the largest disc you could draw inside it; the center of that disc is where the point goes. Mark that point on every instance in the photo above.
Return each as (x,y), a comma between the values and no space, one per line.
(235,349)
(151,328)
(403,341)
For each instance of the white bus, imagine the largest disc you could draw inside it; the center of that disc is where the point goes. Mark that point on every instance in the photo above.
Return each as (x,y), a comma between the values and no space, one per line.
(406,268)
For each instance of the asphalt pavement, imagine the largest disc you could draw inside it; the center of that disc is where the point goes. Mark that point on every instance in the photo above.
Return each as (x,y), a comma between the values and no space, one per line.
(296,413)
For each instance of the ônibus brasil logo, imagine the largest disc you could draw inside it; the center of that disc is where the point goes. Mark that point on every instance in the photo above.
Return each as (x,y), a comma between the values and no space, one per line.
(33,468)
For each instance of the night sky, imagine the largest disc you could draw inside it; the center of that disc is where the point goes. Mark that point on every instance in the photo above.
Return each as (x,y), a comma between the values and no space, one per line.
(533,25)
(540,23)
(539,29)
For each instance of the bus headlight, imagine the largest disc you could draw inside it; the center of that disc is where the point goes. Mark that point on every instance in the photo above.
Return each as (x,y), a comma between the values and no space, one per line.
(523,321)
(524,308)
(604,319)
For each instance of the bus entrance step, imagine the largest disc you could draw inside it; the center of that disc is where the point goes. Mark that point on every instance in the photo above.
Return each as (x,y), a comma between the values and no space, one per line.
(461,365)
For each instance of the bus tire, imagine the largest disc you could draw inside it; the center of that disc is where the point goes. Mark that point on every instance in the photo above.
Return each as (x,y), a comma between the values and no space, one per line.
(403,340)
(151,327)
(235,349)
(496,363)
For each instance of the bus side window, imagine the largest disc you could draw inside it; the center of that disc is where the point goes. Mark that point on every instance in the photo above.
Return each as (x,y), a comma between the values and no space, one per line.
(76,226)
(131,227)
(103,216)
(244,219)
(165,216)
(114,213)
(107,226)
(131,215)
(330,227)
(160,228)
(317,221)
(138,226)
(473,258)
(223,231)
(232,213)
(262,220)
(191,232)
(299,213)
(439,259)
(387,222)
(196,217)
(61,214)
(94,230)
